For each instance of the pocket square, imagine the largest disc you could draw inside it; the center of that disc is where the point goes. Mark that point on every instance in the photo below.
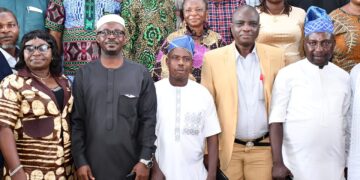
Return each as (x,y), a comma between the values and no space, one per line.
(130,95)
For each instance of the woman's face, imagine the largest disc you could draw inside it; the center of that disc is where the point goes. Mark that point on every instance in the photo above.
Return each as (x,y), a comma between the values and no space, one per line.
(37,54)
(195,13)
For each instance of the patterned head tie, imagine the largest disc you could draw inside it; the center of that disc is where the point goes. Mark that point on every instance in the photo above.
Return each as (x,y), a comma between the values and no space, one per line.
(110,18)
(185,42)
(317,20)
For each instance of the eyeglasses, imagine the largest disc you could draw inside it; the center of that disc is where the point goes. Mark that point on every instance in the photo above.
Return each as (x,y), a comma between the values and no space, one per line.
(116,33)
(41,48)
(197,11)
(7,26)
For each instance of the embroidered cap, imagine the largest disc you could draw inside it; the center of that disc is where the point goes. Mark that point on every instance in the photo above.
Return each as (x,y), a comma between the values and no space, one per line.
(110,18)
(317,20)
(185,42)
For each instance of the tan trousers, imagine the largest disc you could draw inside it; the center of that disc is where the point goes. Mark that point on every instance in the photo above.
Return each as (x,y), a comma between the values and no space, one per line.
(252,163)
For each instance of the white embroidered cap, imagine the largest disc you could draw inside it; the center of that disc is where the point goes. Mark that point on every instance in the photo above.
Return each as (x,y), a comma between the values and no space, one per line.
(110,18)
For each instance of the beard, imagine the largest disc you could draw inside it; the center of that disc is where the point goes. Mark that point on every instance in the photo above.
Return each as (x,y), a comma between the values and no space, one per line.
(7,46)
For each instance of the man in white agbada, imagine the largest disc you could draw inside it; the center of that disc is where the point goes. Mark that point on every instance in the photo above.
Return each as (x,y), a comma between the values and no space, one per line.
(186,120)
(354,153)
(310,104)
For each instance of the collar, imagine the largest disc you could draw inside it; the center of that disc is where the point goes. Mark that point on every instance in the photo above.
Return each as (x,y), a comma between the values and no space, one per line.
(189,32)
(7,55)
(237,54)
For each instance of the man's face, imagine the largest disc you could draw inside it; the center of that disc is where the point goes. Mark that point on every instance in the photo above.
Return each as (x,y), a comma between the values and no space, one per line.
(9,30)
(245,27)
(179,62)
(111,38)
(319,48)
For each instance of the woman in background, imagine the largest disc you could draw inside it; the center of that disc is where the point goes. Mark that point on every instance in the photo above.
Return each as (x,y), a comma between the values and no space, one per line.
(195,13)
(347,35)
(282,26)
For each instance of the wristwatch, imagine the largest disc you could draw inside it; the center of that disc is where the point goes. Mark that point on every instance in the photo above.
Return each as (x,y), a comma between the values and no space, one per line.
(148,163)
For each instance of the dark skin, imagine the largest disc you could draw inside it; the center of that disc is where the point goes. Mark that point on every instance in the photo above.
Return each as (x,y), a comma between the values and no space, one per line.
(245,29)
(195,20)
(111,57)
(8,36)
(38,63)
(318,49)
(179,62)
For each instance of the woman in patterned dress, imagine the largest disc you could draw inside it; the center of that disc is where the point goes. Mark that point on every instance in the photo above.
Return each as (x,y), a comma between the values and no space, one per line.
(347,35)
(195,13)
(34,113)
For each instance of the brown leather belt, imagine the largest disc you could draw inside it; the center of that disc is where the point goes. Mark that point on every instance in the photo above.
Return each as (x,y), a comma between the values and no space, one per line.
(255,142)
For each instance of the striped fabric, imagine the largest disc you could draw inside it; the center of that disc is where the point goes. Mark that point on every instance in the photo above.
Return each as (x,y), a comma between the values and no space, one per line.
(41,130)
(220,13)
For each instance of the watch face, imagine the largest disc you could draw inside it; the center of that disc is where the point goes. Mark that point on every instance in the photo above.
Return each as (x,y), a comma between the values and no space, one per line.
(150,164)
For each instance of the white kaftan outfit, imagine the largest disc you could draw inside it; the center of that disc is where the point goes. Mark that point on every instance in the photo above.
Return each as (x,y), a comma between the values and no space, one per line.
(186,116)
(354,154)
(312,104)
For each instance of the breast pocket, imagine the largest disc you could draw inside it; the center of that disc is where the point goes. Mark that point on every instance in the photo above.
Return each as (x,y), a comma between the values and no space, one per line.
(34,19)
(128,105)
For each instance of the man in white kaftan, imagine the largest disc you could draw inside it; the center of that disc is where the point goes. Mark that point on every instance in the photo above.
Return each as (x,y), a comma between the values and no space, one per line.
(186,120)
(310,106)
(186,116)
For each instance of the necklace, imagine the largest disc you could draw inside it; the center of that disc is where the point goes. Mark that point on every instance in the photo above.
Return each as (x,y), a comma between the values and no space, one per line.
(275,16)
(41,78)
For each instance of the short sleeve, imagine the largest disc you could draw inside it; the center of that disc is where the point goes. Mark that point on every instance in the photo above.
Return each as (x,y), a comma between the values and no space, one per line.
(280,98)
(10,101)
(211,124)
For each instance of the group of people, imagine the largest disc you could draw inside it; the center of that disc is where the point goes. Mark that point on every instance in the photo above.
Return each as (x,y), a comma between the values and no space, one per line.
(260,93)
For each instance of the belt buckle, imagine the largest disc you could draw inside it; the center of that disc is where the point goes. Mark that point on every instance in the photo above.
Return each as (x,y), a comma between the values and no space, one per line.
(250,144)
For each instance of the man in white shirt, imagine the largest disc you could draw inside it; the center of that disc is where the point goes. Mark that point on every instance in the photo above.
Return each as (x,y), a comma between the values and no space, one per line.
(9,33)
(186,120)
(310,104)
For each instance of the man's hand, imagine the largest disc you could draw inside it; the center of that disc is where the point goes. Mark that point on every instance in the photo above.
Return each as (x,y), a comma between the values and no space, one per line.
(142,172)
(280,171)
(84,173)
(157,174)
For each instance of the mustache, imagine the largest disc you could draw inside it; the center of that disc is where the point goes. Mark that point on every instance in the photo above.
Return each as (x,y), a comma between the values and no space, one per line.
(4,36)
(111,42)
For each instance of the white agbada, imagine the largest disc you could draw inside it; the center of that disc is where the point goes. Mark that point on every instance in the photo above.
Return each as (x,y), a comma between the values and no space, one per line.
(185,117)
(313,105)
(354,154)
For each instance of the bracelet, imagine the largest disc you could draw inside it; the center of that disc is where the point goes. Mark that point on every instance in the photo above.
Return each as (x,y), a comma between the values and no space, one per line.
(15,170)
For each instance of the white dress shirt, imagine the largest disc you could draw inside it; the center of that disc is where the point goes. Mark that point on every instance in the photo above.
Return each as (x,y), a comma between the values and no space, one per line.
(10,59)
(252,121)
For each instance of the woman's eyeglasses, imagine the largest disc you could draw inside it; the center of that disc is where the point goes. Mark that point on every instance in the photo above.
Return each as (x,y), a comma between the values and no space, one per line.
(41,48)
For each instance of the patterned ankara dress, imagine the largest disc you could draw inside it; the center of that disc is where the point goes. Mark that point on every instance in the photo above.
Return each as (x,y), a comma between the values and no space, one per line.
(76,19)
(347,36)
(148,23)
(41,130)
(208,41)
